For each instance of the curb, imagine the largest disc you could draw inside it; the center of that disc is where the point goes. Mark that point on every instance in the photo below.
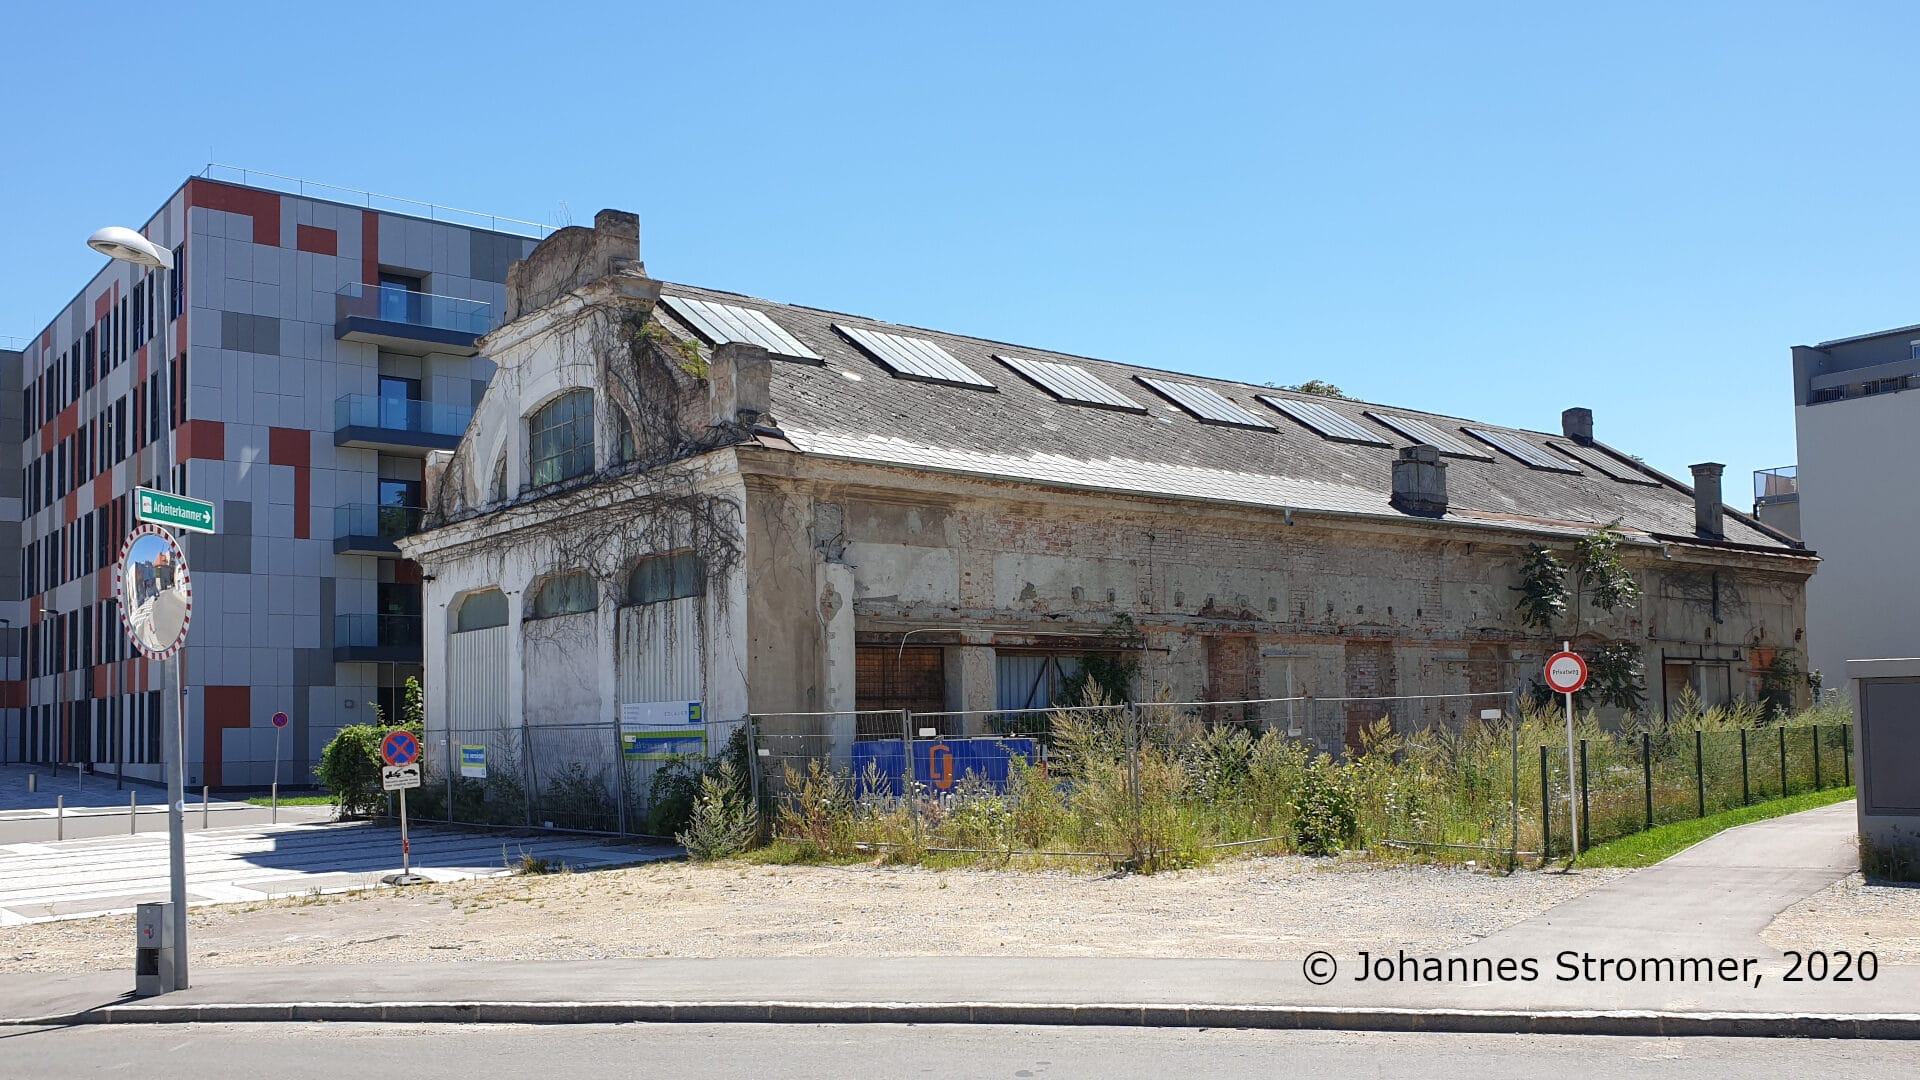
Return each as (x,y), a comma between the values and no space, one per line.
(1281,1017)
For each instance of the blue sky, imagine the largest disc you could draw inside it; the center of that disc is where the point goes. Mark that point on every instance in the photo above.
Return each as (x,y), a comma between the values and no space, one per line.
(1490,210)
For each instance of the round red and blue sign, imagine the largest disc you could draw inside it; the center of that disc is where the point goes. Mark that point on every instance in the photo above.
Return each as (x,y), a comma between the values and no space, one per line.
(399,748)
(281,719)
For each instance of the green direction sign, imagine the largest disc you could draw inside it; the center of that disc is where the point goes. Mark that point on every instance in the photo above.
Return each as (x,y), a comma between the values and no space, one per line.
(177,511)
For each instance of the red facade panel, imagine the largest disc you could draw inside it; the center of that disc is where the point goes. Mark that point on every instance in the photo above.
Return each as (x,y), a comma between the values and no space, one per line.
(202,439)
(316,239)
(262,206)
(226,707)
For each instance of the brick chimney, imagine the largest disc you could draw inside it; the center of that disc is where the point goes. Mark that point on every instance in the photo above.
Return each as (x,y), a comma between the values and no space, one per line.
(1707,510)
(1420,481)
(1577,424)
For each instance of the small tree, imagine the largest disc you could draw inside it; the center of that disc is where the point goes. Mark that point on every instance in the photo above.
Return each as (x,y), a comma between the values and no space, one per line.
(1316,387)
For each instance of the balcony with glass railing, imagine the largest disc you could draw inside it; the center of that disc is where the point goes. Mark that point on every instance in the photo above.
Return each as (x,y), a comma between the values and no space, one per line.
(401,320)
(380,639)
(367,529)
(1776,485)
(398,425)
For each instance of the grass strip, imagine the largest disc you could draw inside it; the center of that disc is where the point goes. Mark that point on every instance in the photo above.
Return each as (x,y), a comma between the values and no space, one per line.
(1647,848)
(293,800)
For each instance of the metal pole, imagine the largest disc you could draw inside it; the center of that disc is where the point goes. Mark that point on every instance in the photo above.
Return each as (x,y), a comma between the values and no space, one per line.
(205,791)
(1746,790)
(1782,732)
(453,767)
(1816,757)
(1573,807)
(1699,774)
(176,735)
(619,780)
(276,776)
(59,817)
(406,853)
(1646,772)
(907,770)
(1546,811)
(133,813)
(1586,818)
(1513,856)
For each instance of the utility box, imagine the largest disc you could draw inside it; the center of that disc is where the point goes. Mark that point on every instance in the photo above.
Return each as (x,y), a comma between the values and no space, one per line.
(1886,709)
(153,950)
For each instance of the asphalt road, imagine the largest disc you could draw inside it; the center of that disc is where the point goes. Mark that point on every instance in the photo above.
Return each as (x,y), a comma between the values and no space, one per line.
(331,1051)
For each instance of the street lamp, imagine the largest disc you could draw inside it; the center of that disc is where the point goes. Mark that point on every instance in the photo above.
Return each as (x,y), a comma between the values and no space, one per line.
(126,245)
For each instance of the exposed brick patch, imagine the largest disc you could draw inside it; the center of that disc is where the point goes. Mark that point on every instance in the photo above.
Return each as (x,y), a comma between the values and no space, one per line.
(262,206)
(1369,674)
(316,239)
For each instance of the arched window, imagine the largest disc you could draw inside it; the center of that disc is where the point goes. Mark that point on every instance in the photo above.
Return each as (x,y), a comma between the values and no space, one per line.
(480,611)
(560,439)
(499,492)
(565,594)
(665,577)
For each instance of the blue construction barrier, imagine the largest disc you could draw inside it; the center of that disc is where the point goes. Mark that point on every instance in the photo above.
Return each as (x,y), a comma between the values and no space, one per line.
(940,765)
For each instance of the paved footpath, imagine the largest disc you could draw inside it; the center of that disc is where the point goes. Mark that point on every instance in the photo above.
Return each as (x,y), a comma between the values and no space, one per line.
(1711,902)
(112,873)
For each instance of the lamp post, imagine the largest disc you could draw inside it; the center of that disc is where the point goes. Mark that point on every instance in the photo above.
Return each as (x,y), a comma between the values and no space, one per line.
(128,246)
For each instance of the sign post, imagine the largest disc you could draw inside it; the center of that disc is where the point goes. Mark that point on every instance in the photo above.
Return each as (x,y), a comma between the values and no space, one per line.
(401,752)
(280,721)
(1566,673)
(156,606)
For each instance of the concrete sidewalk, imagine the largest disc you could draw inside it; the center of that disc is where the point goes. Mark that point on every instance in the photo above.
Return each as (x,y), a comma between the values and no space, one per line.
(1709,903)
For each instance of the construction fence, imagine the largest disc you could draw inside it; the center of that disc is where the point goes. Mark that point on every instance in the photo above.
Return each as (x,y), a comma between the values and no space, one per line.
(1163,783)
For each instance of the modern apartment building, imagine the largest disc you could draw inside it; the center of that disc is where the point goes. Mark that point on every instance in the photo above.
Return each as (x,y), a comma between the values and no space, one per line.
(295,368)
(1858,428)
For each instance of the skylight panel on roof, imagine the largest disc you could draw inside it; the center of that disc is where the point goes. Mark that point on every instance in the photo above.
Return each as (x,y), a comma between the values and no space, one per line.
(1599,461)
(1070,383)
(1521,450)
(913,358)
(1206,404)
(1330,424)
(1420,431)
(724,323)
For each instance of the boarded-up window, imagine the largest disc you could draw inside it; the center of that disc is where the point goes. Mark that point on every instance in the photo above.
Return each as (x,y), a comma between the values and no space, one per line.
(1233,674)
(1034,680)
(887,677)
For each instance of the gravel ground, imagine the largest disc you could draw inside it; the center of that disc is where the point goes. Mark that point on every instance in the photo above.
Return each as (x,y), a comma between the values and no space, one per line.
(1851,914)
(1253,909)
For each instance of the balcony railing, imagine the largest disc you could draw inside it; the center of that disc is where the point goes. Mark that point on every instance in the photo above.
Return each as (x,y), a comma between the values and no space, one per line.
(400,414)
(384,633)
(1776,483)
(393,304)
(361,528)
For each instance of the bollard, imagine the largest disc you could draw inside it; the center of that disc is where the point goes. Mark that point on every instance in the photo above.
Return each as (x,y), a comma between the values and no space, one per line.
(33,782)
(59,817)
(79,775)
(133,813)
(203,807)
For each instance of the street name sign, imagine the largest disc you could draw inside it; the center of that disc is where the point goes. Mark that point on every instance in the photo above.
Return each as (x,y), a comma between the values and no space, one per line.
(400,777)
(177,511)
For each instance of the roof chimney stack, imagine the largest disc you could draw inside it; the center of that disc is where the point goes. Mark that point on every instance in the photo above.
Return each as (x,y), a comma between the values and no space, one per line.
(1577,424)
(739,383)
(1707,511)
(1420,481)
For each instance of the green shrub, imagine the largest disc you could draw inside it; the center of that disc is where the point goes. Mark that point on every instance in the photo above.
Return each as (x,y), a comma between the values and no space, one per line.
(675,787)
(1326,818)
(350,770)
(725,822)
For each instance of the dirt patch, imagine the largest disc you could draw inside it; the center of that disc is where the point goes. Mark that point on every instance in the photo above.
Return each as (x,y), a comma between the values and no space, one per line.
(1853,915)
(1255,908)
